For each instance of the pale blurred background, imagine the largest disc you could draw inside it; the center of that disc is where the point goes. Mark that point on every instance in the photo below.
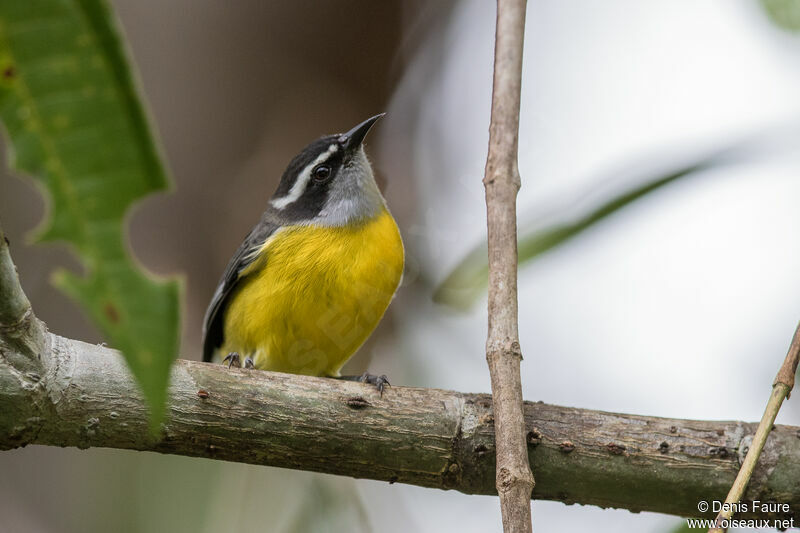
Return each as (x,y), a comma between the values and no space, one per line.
(681,305)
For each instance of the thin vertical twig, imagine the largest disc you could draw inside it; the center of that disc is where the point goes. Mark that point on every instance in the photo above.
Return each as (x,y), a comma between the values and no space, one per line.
(503,354)
(781,388)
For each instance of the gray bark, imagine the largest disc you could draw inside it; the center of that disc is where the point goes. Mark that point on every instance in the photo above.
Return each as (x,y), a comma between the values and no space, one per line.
(426,437)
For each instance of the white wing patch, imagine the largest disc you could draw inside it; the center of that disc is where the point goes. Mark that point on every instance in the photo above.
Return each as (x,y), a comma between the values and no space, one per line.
(301,183)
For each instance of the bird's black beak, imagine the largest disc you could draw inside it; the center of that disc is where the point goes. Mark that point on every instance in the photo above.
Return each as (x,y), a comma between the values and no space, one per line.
(353,138)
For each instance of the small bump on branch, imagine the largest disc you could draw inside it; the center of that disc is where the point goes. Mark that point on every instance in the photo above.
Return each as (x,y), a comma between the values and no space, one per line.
(20,330)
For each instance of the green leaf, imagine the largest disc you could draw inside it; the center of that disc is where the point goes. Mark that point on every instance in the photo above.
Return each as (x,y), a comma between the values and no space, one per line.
(783,13)
(69,103)
(466,283)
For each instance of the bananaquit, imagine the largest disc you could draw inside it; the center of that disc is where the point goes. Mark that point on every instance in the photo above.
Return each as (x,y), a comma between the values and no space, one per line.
(314,277)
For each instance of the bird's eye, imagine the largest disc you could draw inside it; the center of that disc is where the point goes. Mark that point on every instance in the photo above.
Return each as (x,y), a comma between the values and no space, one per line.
(321,172)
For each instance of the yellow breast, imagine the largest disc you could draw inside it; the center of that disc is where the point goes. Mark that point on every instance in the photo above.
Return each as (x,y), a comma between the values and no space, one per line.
(314,295)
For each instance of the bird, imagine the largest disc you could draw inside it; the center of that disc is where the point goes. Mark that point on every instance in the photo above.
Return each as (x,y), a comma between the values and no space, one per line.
(313,278)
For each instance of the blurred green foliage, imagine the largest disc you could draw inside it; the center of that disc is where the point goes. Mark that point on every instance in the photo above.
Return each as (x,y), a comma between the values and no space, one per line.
(784,13)
(466,283)
(70,105)
(330,506)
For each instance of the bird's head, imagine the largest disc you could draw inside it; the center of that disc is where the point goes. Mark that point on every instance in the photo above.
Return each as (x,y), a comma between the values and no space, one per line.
(330,182)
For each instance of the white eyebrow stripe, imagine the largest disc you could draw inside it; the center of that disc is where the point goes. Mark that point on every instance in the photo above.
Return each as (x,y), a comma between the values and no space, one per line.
(301,183)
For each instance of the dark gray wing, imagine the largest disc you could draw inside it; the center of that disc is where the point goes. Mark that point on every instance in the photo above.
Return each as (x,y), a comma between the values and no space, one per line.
(213,326)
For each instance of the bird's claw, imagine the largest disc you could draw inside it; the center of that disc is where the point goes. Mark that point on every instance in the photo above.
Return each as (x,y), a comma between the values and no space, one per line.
(233,360)
(380,382)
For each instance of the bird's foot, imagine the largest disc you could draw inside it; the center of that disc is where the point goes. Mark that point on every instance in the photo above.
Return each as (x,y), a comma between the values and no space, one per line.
(233,359)
(380,382)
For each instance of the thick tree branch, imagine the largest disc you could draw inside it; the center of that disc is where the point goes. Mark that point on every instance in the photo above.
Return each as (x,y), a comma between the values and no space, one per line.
(425,437)
(514,479)
(61,392)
